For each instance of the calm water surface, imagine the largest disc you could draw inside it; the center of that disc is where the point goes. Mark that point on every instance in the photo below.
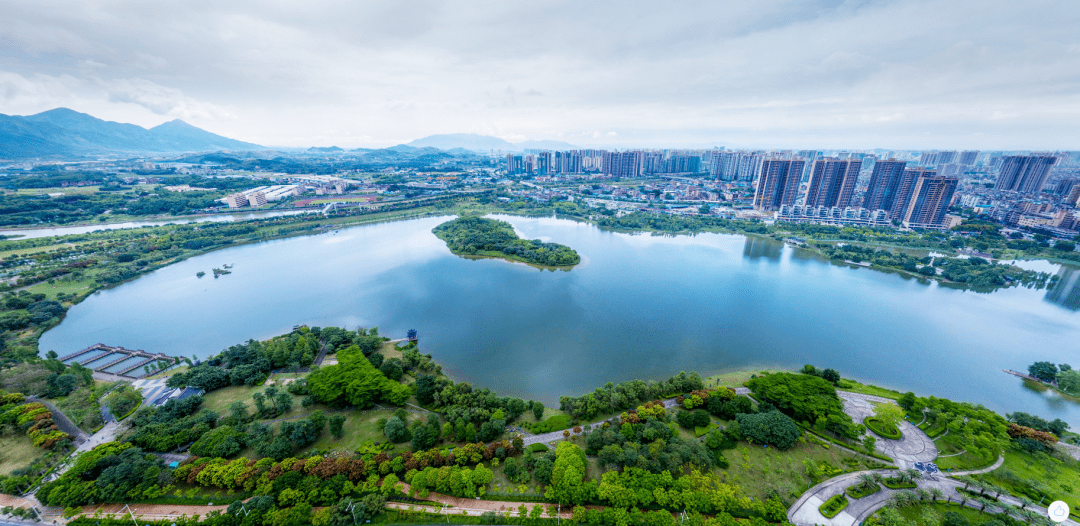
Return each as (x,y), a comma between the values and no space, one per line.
(638,306)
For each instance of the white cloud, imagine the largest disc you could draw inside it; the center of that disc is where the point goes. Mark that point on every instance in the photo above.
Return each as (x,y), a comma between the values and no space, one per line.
(163,100)
(787,73)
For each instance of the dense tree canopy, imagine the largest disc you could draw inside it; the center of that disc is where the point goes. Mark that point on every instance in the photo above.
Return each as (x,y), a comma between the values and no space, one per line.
(478,236)
(807,398)
(354,381)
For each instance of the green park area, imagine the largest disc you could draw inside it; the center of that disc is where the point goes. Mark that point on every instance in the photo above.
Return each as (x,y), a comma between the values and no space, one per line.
(273,424)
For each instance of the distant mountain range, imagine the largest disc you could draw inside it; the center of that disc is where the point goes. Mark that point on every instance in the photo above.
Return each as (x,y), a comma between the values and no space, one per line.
(485,143)
(68,133)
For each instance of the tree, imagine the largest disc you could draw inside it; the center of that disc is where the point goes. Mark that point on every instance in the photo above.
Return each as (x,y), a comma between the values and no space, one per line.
(568,482)
(354,381)
(773,428)
(337,426)
(831,375)
(1069,381)
(889,414)
(392,369)
(806,398)
(396,431)
(538,410)
(907,401)
(869,443)
(1044,371)
(283,402)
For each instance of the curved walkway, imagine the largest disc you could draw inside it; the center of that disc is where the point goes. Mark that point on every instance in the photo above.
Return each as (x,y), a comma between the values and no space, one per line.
(914,446)
(805,511)
(558,435)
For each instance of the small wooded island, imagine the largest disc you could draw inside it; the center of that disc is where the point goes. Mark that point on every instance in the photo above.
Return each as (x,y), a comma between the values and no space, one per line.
(478,236)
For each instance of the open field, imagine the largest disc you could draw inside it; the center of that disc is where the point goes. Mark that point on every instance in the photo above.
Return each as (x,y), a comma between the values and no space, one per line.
(1057,478)
(761,471)
(914,513)
(220,400)
(736,378)
(16,451)
(359,428)
(856,387)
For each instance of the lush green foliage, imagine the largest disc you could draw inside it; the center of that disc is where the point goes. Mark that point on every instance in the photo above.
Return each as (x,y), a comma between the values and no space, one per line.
(175,423)
(123,400)
(111,472)
(1057,427)
(773,428)
(354,381)
(884,429)
(478,236)
(806,398)
(626,395)
(834,505)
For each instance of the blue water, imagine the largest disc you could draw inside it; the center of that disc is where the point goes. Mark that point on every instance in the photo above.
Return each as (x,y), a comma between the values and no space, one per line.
(638,306)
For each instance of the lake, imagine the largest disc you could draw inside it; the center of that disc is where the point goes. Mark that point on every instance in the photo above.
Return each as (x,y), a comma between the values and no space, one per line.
(638,306)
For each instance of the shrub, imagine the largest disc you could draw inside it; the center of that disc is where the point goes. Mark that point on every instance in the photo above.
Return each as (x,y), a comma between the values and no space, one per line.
(834,505)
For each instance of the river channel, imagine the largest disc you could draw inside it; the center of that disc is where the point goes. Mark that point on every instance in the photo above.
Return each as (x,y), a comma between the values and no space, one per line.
(638,306)
(27,233)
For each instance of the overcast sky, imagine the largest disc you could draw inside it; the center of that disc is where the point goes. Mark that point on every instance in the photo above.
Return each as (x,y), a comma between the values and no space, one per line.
(982,74)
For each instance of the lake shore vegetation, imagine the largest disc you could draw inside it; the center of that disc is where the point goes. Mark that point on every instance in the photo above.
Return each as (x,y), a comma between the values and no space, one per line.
(479,236)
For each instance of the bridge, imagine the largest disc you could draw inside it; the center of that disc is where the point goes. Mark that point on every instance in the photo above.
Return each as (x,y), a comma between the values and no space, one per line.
(111,356)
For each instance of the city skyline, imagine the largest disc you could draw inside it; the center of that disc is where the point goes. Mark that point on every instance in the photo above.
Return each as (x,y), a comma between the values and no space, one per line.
(897,75)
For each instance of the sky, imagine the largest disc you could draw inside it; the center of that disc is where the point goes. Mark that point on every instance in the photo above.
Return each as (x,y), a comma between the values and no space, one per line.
(941,74)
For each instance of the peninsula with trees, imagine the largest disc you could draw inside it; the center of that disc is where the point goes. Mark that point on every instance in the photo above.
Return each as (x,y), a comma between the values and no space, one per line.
(479,236)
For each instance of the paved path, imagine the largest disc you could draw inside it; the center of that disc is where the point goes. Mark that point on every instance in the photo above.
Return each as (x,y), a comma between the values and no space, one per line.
(805,511)
(62,421)
(558,435)
(914,446)
(1072,450)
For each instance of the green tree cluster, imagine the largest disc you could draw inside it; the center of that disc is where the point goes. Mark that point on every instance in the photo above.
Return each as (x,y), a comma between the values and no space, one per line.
(478,236)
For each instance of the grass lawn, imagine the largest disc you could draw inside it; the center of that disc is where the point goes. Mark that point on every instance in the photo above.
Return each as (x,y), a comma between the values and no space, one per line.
(170,372)
(965,461)
(736,378)
(914,513)
(359,428)
(757,470)
(856,387)
(17,451)
(220,400)
(50,290)
(1058,478)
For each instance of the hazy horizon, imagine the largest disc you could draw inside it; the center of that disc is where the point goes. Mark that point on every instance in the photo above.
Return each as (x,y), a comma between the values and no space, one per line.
(989,75)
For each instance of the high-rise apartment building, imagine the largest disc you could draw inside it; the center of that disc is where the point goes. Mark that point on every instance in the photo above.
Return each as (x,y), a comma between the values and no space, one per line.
(930,199)
(884,184)
(515,164)
(543,163)
(1024,173)
(905,189)
(622,164)
(832,182)
(778,183)
(968,158)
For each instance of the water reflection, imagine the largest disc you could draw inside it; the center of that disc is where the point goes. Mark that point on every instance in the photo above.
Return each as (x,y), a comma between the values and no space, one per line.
(1067,291)
(758,247)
